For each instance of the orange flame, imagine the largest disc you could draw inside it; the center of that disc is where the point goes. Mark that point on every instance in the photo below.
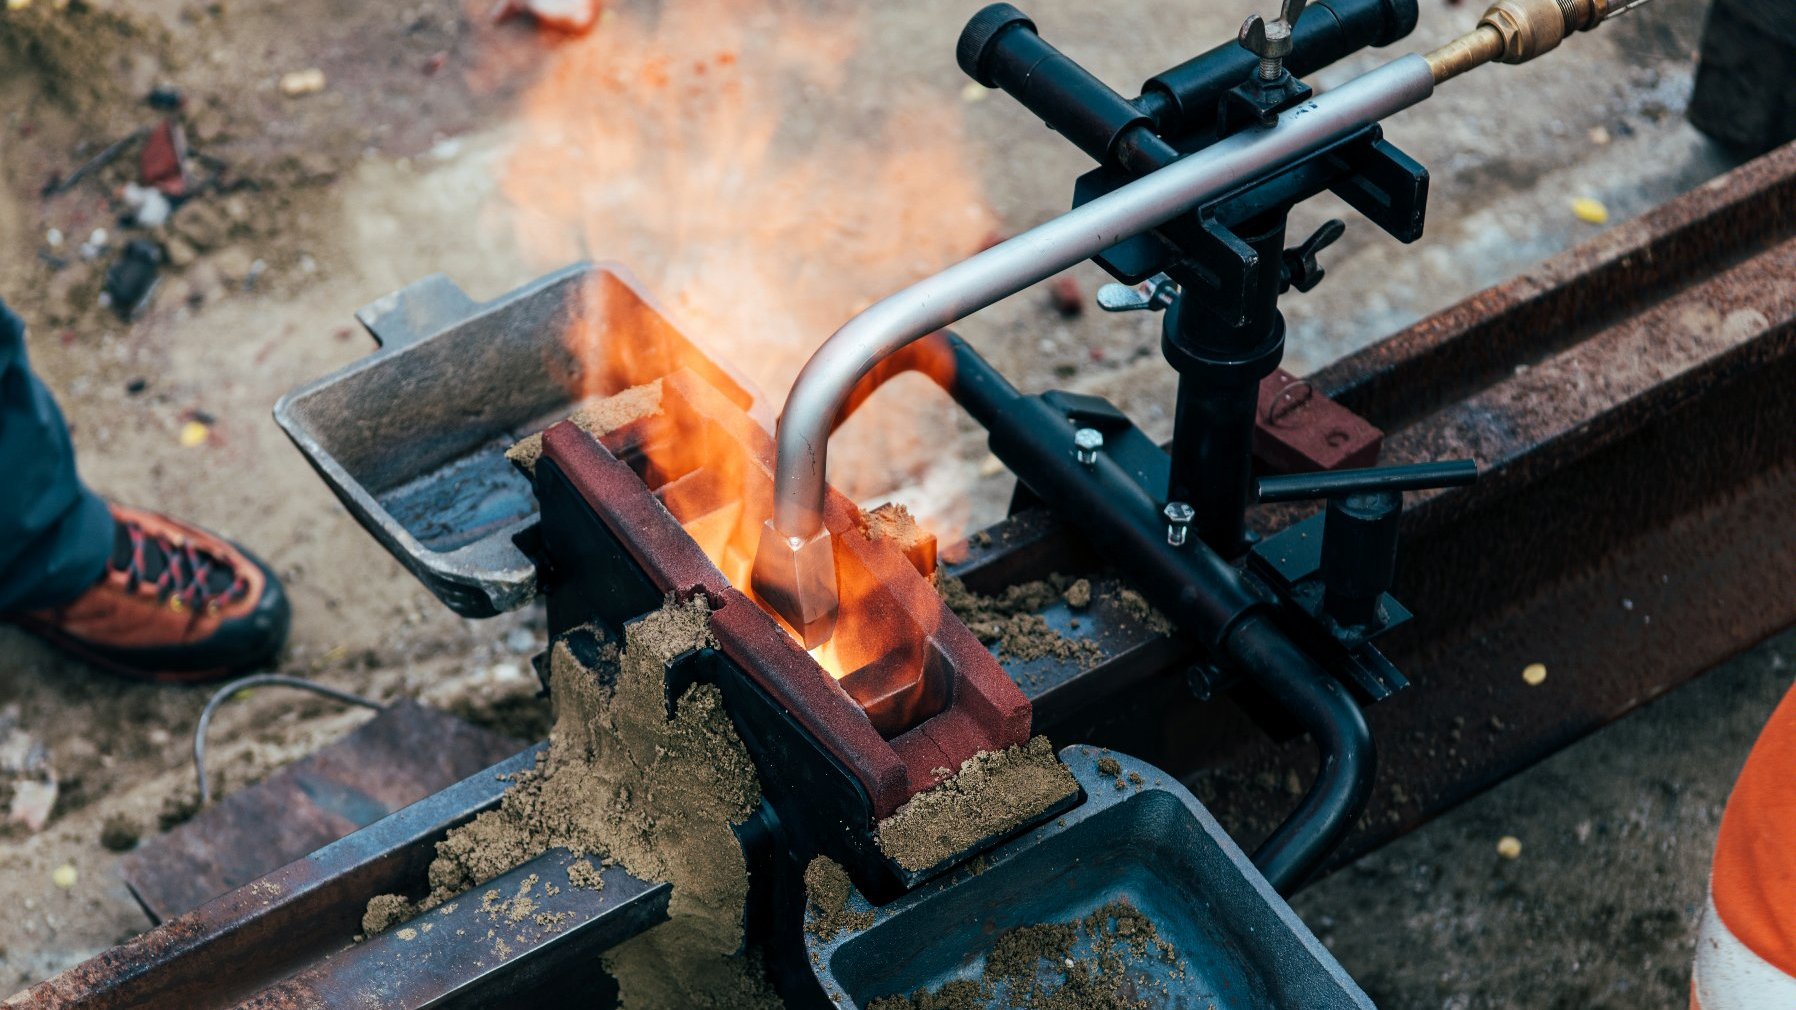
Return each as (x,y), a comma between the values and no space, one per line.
(707,145)
(702,143)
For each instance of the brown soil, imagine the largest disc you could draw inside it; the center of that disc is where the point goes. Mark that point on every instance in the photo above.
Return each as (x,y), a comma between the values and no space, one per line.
(582,874)
(386,911)
(993,792)
(658,795)
(1034,968)
(827,888)
(1078,595)
(68,42)
(1012,621)
(1136,606)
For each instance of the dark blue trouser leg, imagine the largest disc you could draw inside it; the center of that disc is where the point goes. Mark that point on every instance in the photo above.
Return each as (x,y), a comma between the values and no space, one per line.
(55,534)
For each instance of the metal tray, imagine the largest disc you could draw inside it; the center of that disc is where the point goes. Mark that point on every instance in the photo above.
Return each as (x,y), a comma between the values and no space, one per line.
(412,438)
(1238,945)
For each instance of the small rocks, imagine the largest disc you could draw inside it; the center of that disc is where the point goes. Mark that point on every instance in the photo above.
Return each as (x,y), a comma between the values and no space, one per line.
(309,81)
(180,252)
(148,206)
(1067,296)
(1590,211)
(119,834)
(572,16)
(33,801)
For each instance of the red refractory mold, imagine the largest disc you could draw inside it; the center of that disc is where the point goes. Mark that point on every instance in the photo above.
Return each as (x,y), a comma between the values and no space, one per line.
(921,693)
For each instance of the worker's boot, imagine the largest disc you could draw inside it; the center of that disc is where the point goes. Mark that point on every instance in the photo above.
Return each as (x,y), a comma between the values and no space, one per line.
(176,604)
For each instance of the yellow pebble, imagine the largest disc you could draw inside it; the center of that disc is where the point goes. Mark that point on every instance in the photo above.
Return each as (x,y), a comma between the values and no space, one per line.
(302,82)
(194,433)
(1590,211)
(1509,847)
(17,5)
(1534,674)
(64,876)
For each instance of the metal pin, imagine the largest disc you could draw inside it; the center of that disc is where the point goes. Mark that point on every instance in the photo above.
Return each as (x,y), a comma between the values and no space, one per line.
(1087,442)
(1178,522)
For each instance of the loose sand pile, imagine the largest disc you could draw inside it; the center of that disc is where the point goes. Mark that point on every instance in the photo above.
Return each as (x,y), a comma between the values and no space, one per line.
(826,887)
(623,782)
(1012,621)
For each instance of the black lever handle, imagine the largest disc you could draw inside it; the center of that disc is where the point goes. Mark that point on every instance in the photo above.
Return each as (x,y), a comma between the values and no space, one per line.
(1301,268)
(1413,477)
(1360,526)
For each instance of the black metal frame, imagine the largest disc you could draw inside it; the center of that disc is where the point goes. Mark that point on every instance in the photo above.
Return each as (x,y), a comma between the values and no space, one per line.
(1299,635)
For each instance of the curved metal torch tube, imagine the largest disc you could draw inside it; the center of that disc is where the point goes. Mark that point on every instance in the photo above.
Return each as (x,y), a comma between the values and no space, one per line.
(1039,253)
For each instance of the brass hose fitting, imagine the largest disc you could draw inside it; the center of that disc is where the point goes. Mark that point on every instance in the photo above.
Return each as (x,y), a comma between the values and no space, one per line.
(1516,31)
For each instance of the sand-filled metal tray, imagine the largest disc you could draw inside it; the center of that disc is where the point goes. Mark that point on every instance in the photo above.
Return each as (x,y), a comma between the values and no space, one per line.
(412,438)
(1222,938)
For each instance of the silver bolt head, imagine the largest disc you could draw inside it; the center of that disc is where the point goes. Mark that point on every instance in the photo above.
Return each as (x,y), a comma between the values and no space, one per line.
(1087,442)
(1178,521)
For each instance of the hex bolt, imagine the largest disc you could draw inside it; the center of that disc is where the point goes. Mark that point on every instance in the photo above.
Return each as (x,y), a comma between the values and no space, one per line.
(1178,522)
(1087,442)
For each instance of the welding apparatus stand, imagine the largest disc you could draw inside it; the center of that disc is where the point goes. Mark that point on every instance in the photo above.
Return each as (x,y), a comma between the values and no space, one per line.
(1290,621)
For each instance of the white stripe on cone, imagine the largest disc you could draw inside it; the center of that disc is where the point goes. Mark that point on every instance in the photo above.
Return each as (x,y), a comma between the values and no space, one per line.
(1729,976)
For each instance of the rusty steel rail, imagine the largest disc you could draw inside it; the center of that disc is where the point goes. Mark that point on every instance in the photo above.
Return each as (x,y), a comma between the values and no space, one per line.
(1629,402)
(285,940)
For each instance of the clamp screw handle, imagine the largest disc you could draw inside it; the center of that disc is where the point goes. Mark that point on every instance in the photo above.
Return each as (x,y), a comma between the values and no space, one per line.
(1271,42)
(1151,295)
(1302,270)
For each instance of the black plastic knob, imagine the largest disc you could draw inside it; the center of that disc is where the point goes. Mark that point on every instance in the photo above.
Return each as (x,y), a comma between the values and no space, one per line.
(981,31)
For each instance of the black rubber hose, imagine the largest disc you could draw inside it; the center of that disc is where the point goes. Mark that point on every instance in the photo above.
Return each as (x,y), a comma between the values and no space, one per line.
(1346,756)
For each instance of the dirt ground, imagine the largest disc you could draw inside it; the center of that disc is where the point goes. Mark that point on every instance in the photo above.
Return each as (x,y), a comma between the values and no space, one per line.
(319,203)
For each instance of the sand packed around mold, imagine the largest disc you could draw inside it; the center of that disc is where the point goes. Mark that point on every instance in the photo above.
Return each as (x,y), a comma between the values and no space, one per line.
(597,417)
(623,783)
(993,792)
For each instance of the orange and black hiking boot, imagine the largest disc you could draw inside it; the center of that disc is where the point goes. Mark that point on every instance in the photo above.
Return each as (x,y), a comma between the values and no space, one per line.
(176,605)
